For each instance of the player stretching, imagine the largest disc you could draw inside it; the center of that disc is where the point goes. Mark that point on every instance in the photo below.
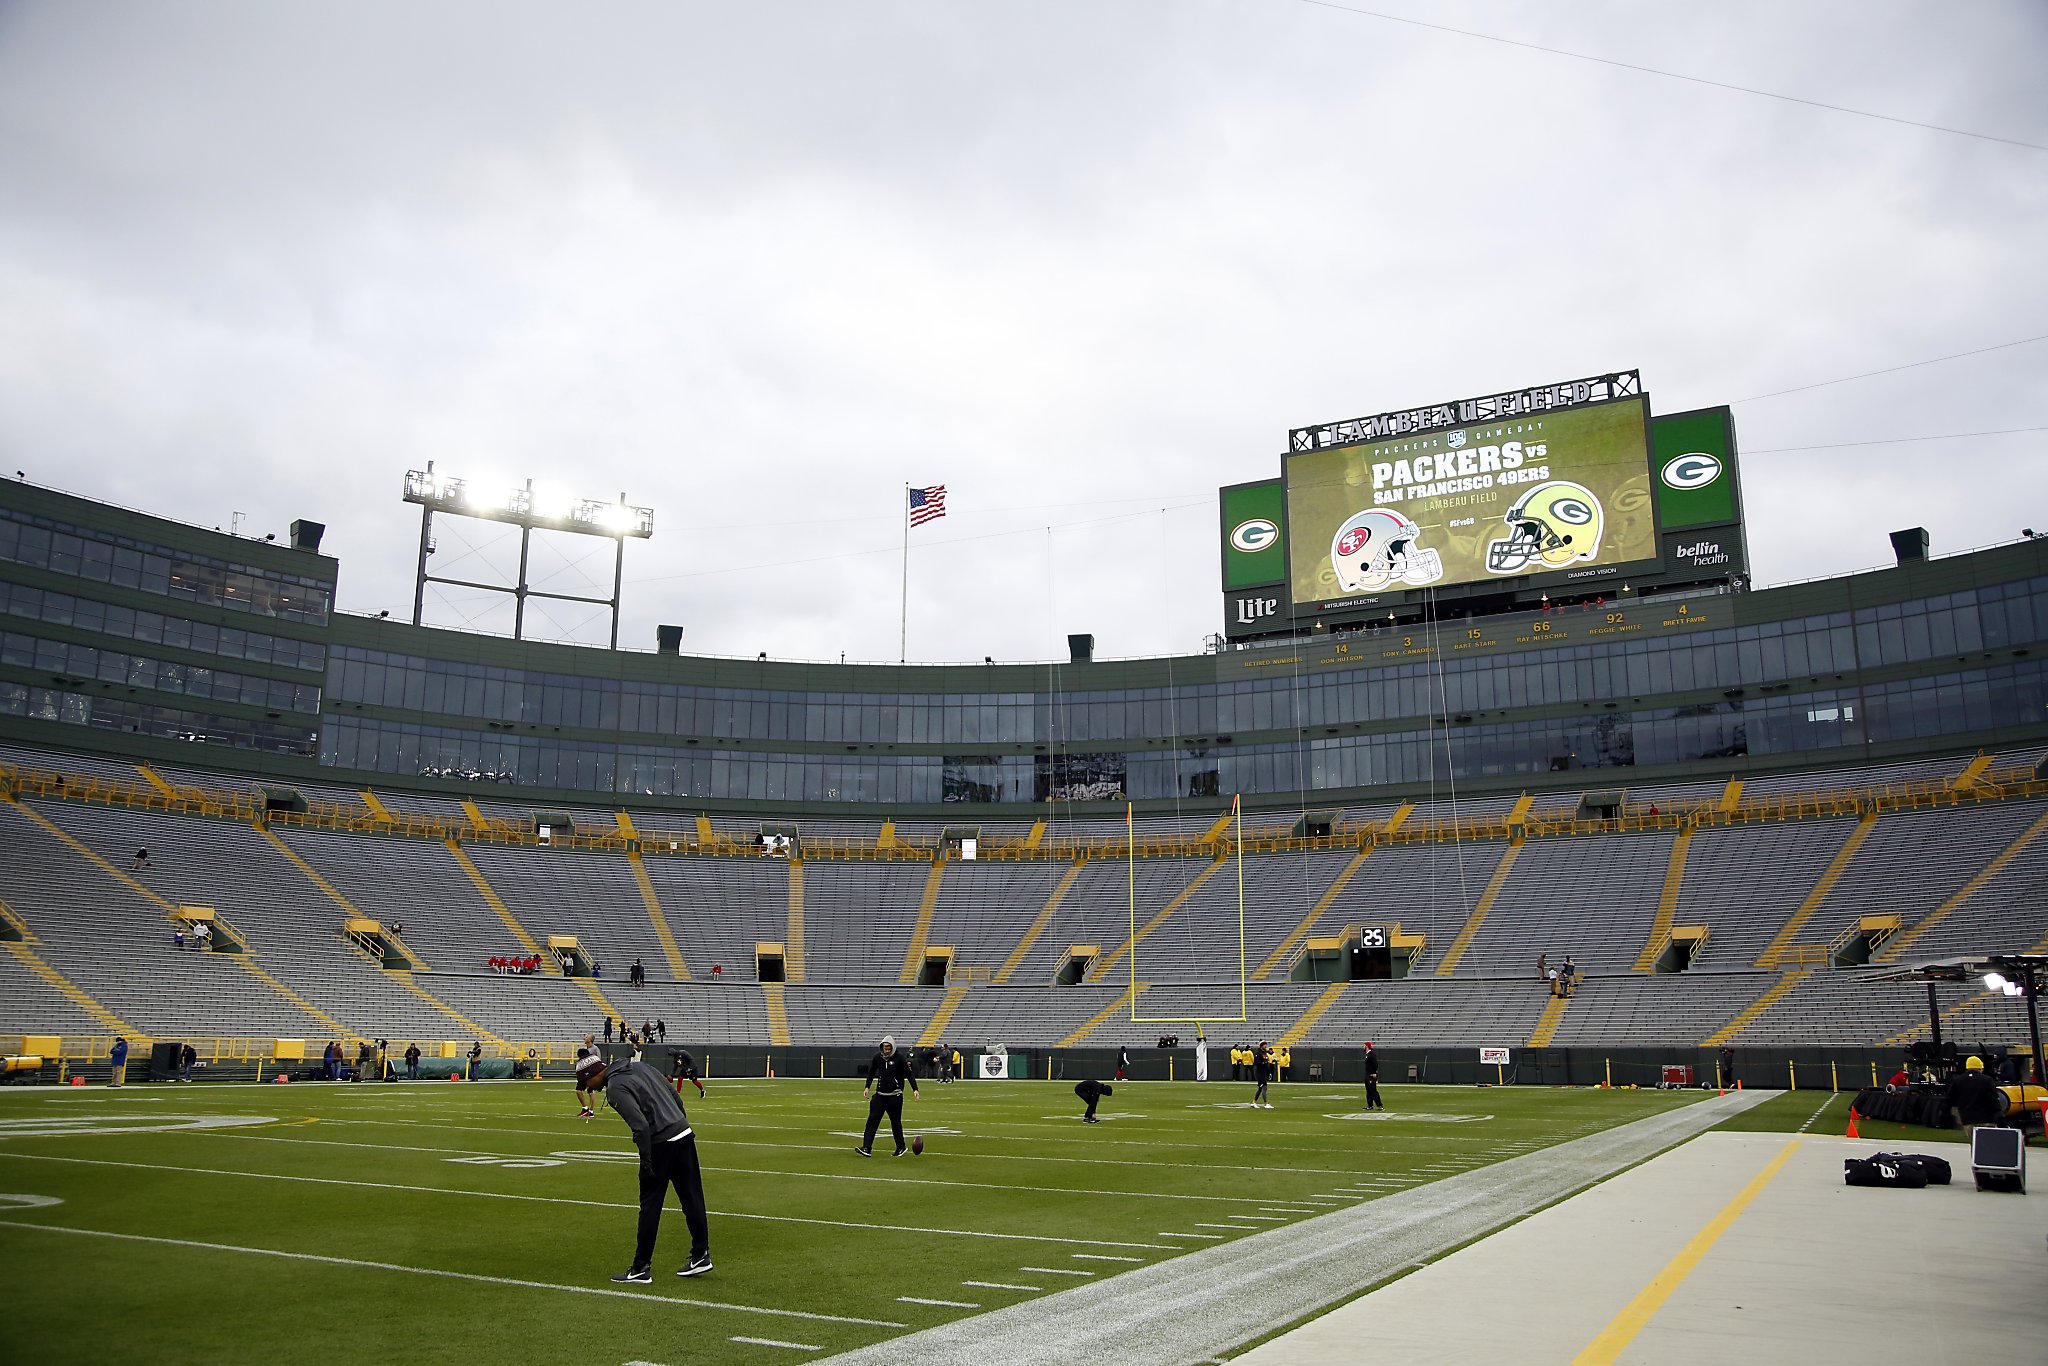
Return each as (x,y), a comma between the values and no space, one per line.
(668,1158)
(588,1060)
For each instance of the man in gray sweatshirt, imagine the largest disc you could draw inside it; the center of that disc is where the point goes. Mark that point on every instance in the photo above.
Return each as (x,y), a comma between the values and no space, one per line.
(668,1157)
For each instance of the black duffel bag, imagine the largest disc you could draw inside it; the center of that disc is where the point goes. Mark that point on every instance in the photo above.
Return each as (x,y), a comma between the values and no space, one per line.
(1935,1169)
(1883,1171)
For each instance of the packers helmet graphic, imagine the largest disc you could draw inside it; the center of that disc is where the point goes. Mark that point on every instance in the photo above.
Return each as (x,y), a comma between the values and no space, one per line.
(1377,546)
(1551,526)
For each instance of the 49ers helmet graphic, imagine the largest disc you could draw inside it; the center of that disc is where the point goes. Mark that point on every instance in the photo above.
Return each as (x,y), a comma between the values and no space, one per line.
(1377,546)
(1551,526)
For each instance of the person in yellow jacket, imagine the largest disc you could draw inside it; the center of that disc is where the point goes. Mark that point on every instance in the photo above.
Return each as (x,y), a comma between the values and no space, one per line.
(1286,1064)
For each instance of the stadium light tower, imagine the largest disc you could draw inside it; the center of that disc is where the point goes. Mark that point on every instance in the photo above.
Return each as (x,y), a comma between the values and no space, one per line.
(529,511)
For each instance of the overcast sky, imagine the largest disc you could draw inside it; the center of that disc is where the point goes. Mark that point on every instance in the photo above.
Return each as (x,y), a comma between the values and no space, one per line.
(761,265)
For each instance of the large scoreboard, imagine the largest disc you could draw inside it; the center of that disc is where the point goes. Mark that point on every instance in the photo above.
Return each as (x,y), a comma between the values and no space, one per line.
(1483,505)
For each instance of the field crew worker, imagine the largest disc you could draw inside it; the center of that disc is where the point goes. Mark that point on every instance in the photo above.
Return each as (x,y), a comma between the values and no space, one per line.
(887,1074)
(668,1157)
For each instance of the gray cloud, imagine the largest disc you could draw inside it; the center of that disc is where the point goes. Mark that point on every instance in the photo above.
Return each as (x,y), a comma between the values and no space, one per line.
(1083,263)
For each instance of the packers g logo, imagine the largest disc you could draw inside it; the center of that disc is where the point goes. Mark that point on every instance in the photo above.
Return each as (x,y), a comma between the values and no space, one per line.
(1254,535)
(1695,469)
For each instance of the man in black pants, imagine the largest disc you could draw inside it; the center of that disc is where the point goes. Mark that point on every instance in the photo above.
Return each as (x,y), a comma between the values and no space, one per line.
(887,1073)
(1262,1073)
(1092,1091)
(668,1158)
(1372,1078)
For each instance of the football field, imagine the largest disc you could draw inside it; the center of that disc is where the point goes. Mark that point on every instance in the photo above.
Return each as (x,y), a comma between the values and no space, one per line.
(439,1221)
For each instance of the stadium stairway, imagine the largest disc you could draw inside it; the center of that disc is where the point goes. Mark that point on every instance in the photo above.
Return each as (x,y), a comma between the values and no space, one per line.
(1107,962)
(470,1028)
(245,960)
(1316,1010)
(778,1014)
(1748,1016)
(483,889)
(1281,955)
(1919,1029)
(335,1028)
(664,934)
(23,952)
(1547,1023)
(156,780)
(921,930)
(348,907)
(1772,956)
(793,933)
(1667,906)
(1895,950)
(936,1029)
(1038,925)
(1103,1016)
(1480,911)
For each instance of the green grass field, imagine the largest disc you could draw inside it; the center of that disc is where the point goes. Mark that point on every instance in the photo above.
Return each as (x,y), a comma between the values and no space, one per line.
(470,1222)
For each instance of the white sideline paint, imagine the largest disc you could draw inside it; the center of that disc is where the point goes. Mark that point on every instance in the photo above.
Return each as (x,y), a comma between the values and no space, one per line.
(1001,1285)
(182,1169)
(770,1342)
(943,1304)
(1210,1300)
(1105,1257)
(1054,1271)
(1234,1228)
(80,1126)
(1209,1237)
(642,1297)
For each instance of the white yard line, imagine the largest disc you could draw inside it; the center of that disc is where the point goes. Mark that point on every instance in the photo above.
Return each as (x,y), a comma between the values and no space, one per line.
(1815,1116)
(943,1304)
(642,1297)
(1054,1271)
(1104,1257)
(1206,1237)
(1001,1285)
(163,1170)
(774,1342)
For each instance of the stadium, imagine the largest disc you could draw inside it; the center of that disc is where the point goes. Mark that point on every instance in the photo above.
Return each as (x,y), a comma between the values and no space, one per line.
(1630,872)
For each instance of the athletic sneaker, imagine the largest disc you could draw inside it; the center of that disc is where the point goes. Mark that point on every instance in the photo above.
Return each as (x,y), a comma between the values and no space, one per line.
(636,1275)
(1090,1119)
(864,1152)
(901,1152)
(697,1265)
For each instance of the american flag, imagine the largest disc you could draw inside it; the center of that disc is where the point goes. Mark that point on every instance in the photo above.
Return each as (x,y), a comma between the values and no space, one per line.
(927,505)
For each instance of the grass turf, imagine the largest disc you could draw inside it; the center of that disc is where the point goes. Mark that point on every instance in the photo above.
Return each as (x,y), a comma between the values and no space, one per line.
(532,1209)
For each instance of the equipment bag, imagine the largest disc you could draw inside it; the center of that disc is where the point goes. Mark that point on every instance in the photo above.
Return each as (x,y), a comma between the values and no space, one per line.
(1880,1171)
(1934,1168)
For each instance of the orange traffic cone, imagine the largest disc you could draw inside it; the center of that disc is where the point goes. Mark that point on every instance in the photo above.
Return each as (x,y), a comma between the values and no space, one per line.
(1852,1124)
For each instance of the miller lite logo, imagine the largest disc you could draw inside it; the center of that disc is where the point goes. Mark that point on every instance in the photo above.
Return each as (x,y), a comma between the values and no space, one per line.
(1251,610)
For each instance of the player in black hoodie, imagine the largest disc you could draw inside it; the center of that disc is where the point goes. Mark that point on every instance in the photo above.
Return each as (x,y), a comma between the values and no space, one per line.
(668,1157)
(887,1072)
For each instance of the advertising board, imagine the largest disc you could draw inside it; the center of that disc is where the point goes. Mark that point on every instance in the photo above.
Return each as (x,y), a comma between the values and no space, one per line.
(1562,493)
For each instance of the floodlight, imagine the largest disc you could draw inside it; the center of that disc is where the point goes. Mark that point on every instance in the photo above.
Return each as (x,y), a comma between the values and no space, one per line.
(1994,981)
(552,505)
(617,518)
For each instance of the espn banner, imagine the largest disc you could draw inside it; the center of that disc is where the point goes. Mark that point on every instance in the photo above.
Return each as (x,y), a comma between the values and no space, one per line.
(1548,493)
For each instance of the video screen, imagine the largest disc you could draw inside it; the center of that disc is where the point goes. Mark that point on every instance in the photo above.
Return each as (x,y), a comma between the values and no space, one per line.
(1541,494)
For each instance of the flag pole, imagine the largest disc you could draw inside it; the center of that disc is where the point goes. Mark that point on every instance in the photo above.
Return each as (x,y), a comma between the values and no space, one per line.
(903,623)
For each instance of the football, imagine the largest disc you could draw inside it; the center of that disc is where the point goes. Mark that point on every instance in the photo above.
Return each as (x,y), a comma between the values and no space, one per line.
(917,1146)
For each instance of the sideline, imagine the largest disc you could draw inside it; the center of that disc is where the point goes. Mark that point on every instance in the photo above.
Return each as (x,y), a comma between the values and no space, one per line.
(1616,1336)
(1210,1301)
